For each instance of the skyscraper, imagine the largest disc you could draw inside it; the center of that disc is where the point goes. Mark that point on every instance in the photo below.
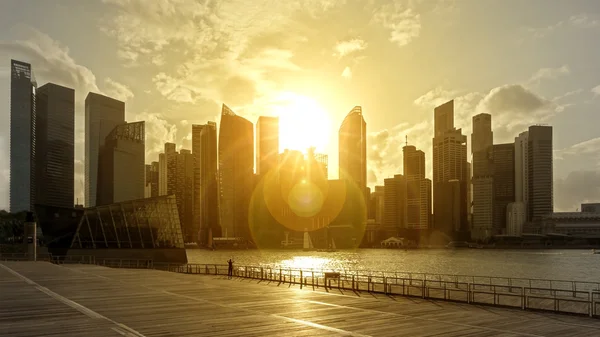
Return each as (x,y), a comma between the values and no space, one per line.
(353,149)
(504,185)
(184,193)
(206,205)
(167,170)
(394,207)
(102,115)
(483,176)
(450,173)
(418,189)
(121,169)
(236,172)
(267,144)
(151,189)
(55,145)
(540,172)
(22,137)
(517,211)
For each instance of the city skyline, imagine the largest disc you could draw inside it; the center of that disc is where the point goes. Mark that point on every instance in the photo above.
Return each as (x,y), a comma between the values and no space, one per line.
(543,85)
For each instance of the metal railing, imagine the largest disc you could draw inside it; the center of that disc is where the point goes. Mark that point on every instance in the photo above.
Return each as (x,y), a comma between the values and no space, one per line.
(572,297)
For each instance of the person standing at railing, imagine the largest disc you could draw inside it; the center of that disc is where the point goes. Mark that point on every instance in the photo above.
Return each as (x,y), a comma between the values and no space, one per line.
(230,271)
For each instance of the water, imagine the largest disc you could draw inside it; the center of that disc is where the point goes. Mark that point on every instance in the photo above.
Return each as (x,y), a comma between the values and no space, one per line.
(579,265)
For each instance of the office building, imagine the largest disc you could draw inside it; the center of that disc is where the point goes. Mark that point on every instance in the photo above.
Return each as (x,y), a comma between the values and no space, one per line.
(267,144)
(317,163)
(167,170)
(540,172)
(22,137)
(206,195)
(394,208)
(590,208)
(353,149)
(55,145)
(102,115)
(483,177)
(184,193)
(504,185)
(151,189)
(450,174)
(236,172)
(418,189)
(378,197)
(121,169)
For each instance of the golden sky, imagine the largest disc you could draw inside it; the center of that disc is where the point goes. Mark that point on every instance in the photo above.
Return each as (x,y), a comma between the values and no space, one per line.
(174,62)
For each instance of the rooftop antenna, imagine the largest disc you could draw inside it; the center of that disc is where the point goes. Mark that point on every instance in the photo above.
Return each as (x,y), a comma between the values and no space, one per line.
(406,140)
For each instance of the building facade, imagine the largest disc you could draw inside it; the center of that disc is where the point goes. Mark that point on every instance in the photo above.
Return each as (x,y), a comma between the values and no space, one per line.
(504,185)
(394,208)
(167,170)
(267,144)
(450,174)
(483,177)
(236,172)
(353,148)
(540,172)
(102,115)
(184,193)
(121,169)
(206,196)
(151,189)
(22,137)
(418,189)
(55,145)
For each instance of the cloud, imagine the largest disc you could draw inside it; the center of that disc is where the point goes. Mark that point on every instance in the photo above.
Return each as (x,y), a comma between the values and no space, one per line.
(344,48)
(588,150)
(596,90)
(404,23)
(549,74)
(583,21)
(117,90)
(347,73)
(158,132)
(578,187)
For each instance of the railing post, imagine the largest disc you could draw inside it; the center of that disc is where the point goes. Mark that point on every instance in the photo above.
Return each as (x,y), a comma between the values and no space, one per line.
(280,275)
(301,279)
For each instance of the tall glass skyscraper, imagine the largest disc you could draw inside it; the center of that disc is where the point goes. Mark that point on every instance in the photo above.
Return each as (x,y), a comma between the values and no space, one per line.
(55,145)
(22,137)
(206,205)
(353,148)
(102,115)
(267,144)
(236,170)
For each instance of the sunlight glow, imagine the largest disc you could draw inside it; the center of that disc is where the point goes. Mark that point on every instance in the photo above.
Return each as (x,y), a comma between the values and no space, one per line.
(302,123)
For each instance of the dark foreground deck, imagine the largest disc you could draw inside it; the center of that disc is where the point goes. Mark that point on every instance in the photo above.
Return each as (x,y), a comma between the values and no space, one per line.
(43,299)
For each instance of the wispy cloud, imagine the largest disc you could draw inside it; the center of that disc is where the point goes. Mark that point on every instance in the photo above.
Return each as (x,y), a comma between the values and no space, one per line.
(579,21)
(347,73)
(344,48)
(596,90)
(549,74)
(403,22)
(117,90)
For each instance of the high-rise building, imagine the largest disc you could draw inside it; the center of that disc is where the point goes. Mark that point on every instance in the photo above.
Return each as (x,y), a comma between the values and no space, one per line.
(55,145)
(353,148)
(121,169)
(236,172)
(167,170)
(151,188)
(483,177)
(379,201)
(317,161)
(517,211)
(184,193)
(504,185)
(22,137)
(102,115)
(418,189)
(450,173)
(540,172)
(267,144)
(206,196)
(394,208)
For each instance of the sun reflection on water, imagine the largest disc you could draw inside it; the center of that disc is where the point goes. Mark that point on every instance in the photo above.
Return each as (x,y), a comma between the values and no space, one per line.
(306,263)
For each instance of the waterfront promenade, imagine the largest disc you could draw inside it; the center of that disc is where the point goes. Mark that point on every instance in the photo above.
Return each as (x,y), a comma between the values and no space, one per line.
(41,299)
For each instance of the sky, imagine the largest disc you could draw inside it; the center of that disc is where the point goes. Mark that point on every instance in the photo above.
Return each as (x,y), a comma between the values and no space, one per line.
(175,62)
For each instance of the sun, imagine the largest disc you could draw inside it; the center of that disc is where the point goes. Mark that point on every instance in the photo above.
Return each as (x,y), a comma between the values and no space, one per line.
(303,123)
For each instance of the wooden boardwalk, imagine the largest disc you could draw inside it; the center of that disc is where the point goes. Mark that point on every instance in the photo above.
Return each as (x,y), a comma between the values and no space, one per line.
(42,299)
